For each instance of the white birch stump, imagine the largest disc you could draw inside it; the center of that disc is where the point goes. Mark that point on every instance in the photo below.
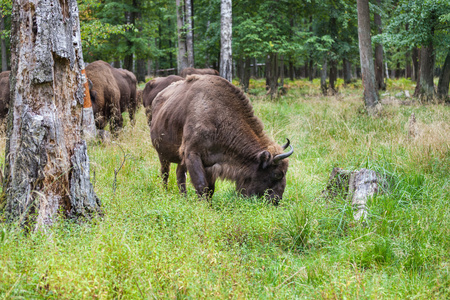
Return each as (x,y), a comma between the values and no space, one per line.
(355,186)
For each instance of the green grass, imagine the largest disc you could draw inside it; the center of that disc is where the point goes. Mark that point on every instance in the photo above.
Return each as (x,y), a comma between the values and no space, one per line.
(153,243)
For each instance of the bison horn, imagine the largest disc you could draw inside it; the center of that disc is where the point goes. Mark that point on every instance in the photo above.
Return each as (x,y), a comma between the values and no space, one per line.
(284,155)
(287,144)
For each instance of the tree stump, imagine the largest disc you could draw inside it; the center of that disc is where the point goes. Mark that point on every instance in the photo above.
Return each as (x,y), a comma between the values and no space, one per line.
(355,186)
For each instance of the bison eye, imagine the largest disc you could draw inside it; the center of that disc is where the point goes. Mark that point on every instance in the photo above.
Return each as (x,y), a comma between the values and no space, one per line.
(277,175)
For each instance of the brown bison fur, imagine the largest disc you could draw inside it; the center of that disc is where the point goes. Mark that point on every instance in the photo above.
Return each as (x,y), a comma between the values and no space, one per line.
(105,95)
(4,95)
(152,88)
(126,81)
(207,126)
(190,71)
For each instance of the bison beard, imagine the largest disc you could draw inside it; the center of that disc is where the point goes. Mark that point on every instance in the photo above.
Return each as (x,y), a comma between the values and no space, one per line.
(207,126)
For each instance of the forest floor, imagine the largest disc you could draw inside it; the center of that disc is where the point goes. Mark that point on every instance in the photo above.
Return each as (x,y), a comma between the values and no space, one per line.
(153,243)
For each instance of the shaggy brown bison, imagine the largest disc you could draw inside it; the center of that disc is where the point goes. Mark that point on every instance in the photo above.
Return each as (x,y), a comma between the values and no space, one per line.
(207,126)
(4,95)
(152,88)
(113,92)
(127,83)
(105,95)
(190,71)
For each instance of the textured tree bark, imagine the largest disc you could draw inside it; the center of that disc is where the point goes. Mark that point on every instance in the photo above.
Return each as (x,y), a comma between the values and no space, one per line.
(46,161)
(379,75)
(182,59)
(3,44)
(226,59)
(366,57)
(444,79)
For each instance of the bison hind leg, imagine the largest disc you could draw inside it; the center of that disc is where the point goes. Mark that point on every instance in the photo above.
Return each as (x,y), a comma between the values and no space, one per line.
(181,178)
(165,169)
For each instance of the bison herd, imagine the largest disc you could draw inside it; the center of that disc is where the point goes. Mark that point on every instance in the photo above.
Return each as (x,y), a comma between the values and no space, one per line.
(198,120)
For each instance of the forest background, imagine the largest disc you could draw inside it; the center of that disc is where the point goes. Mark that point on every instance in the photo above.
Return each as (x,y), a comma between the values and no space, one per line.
(299,39)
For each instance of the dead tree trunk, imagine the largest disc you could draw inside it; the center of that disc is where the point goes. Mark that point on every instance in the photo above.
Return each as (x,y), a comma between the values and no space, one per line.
(46,162)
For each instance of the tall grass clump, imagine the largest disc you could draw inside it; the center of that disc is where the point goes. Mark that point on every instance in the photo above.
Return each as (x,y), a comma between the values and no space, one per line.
(155,243)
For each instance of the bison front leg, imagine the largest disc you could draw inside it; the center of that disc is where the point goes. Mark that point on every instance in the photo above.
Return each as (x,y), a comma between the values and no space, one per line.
(181,178)
(198,176)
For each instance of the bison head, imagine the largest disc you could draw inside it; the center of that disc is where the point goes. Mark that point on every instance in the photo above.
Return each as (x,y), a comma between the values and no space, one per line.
(268,178)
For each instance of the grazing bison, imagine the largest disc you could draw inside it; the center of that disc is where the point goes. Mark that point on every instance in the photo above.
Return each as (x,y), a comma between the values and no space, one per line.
(207,126)
(152,88)
(4,95)
(105,95)
(127,82)
(190,71)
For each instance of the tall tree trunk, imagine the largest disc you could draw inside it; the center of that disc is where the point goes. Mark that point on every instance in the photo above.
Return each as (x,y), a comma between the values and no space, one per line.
(425,84)
(189,33)
(444,79)
(332,58)
(182,51)
(347,71)
(226,59)
(170,46)
(333,76)
(140,70)
(255,68)
(366,57)
(408,70)
(291,69)
(281,72)
(379,75)
(46,161)
(311,69)
(3,43)
(415,64)
(246,69)
(272,74)
(323,76)
(131,19)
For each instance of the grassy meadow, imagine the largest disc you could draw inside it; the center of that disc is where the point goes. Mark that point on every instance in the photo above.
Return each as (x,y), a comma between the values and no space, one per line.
(156,244)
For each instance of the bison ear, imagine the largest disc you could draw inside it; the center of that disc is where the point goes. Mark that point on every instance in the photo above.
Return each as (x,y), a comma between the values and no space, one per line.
(264,158)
